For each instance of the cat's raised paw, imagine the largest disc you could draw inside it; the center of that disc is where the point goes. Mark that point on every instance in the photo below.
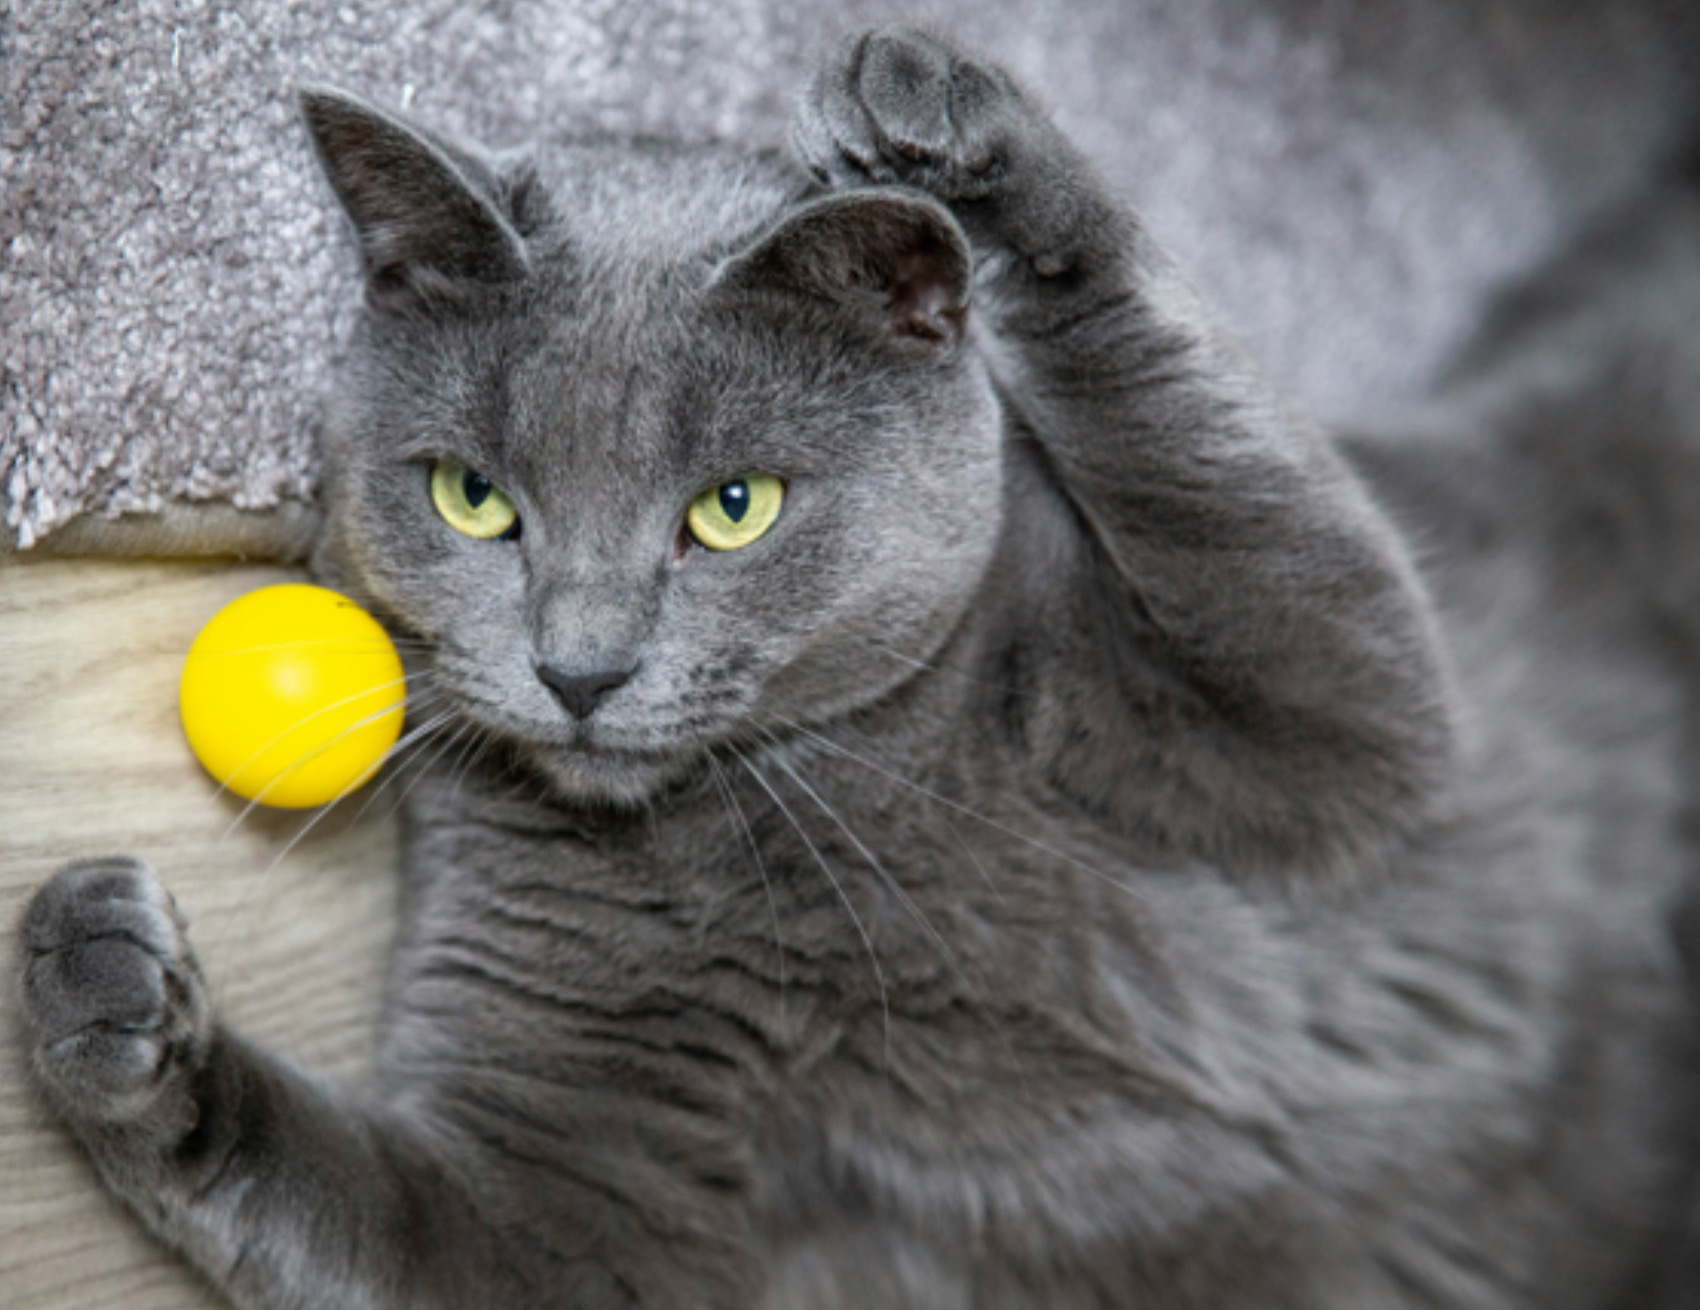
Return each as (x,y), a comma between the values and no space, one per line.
(903,106)
(112,996)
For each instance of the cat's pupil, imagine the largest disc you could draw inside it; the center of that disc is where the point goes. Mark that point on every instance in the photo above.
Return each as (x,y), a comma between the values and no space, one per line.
(735,501)
(476,488)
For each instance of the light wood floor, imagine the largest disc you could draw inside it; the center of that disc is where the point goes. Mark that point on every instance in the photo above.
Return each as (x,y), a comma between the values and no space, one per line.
(92,762)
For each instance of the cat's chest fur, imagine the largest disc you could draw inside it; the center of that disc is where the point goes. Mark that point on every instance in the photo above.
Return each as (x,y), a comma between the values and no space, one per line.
(822,903)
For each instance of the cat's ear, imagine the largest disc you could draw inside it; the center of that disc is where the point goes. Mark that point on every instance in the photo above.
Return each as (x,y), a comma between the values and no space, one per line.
(895,258)
(425,213)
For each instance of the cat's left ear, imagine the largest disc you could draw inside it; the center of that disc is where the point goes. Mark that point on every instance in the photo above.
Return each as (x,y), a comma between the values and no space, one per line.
(427,214)
(895,259)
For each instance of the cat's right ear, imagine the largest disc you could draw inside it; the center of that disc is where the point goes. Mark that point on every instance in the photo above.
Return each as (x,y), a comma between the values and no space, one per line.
(889,257)
(428,230)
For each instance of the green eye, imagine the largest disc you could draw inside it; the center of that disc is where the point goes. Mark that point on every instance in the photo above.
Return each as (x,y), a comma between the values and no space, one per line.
(736,513)
(469,502)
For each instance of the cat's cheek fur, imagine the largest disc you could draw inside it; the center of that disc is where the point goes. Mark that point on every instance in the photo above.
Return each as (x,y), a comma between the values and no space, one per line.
(897,564)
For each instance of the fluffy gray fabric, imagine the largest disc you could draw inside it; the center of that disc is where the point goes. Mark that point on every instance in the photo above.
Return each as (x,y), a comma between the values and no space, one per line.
(1348,184)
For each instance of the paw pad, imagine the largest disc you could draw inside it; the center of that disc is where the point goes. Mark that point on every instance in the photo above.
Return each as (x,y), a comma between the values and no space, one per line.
(111,992)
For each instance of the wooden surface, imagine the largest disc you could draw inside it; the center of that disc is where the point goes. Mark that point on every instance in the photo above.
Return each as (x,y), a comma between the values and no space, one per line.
(92,762)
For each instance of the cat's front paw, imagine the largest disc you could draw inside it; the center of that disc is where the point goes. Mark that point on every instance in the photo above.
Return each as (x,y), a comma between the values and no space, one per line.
(113,998)
(902,106)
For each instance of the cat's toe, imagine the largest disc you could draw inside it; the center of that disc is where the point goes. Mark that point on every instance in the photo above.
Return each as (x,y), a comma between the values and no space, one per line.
(831,132)
(112,995)
(904,86)
(902,105)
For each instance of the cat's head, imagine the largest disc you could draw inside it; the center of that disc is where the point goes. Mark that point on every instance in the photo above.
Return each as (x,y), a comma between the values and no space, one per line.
(650,448)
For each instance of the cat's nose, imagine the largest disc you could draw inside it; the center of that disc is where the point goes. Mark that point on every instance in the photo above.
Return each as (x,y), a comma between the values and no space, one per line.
(581,693)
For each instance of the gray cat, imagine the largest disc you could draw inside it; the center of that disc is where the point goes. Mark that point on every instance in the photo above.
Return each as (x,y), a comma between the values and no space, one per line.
(982,805)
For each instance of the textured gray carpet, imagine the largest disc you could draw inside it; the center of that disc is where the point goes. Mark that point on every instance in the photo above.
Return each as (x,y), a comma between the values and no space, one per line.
(1348,183)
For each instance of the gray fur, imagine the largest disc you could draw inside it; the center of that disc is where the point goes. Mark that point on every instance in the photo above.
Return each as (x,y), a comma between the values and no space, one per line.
(1108,845)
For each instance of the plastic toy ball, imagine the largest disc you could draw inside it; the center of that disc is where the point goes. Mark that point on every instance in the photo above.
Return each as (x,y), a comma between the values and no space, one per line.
(292,696)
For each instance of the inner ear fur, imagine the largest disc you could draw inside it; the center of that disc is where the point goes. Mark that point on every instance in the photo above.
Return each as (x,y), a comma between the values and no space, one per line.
(426,222)
(893,256)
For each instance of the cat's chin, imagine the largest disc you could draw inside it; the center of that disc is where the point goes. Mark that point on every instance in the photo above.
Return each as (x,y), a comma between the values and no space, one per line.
(591,776)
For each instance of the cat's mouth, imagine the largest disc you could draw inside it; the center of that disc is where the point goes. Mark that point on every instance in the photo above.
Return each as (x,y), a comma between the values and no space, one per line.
(587,770)
(592,763)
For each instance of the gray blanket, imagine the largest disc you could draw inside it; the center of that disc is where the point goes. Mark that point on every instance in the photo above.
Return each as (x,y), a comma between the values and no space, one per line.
(1350,185)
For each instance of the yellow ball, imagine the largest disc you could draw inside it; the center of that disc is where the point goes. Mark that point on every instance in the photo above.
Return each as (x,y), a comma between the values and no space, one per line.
(292,696)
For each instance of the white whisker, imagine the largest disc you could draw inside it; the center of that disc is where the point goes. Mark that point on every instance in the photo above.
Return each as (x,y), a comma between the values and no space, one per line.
(761,867)
(314,754)
(907,902)
(361,644)
(973,859)
(484,739)
(873,861)
(463,759)
(867,941)
(416,742)
(317,714)
(426,768)
(910,660)
(901,781)
(252,886)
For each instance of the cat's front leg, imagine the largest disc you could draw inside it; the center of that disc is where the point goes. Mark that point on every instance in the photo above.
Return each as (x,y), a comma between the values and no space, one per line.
(285,1194)
(1240,662)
